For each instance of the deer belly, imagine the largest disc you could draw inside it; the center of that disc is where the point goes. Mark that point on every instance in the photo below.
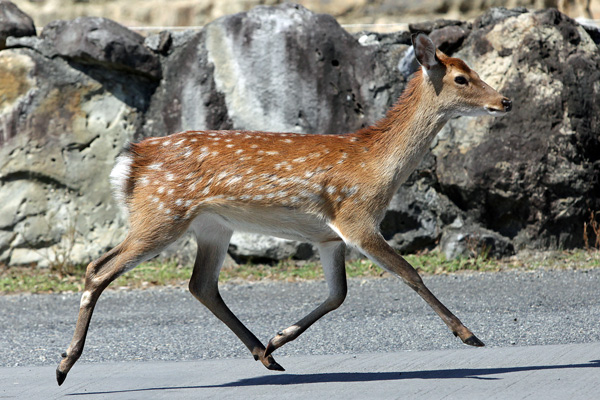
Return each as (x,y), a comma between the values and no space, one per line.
(280,222)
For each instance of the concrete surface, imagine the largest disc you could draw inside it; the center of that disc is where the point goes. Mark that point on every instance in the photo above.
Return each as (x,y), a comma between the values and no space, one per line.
(537,372)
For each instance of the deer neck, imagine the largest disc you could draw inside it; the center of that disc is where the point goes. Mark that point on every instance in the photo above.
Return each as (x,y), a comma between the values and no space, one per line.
(400,140)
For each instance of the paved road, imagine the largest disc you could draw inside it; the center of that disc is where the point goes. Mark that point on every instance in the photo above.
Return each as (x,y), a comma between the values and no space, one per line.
(536,372)
(379,321)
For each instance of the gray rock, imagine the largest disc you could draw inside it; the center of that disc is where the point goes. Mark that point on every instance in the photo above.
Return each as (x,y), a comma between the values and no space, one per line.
(187,98)
(159,43)
(449,38)
(497,15)
(418,212)
(461,239)
(265,63)
(253,247)
(60,131)
(593,31)
(14,22)
(102,41)
(533,175)
(32,42)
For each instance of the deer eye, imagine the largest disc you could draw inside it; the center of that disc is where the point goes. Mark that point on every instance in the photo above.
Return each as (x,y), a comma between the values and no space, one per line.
(461,80)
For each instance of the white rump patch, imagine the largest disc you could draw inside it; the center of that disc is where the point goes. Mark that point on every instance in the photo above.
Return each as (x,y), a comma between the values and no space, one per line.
(118,178)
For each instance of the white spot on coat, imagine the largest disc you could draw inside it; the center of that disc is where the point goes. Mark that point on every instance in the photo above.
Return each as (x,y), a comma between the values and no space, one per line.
(222,175)
(234,180)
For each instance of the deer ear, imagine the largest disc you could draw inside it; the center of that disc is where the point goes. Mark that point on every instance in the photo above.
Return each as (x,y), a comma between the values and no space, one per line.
(424,50)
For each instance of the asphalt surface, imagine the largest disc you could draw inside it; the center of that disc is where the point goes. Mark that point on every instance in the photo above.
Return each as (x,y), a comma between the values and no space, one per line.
(364,342)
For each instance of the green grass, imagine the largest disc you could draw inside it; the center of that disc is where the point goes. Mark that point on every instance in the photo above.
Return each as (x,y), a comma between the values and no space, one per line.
(154,273)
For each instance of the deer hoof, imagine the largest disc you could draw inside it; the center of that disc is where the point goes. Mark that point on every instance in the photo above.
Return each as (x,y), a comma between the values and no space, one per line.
(273,365)
(269,363)
(473,341)
(60,376)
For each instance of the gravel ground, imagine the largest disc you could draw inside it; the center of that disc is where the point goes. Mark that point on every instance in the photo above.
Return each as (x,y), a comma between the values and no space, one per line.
(380,315)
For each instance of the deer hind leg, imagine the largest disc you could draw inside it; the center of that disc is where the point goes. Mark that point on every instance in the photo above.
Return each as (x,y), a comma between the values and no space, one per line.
(332,258)
(377,249)
(213,240)
(135,249)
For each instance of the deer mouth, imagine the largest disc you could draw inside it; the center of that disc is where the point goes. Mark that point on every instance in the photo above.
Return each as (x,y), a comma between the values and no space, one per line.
(506,107)
(494,111)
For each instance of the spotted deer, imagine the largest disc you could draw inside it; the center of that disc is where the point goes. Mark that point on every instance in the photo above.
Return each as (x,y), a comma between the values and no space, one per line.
(330,190)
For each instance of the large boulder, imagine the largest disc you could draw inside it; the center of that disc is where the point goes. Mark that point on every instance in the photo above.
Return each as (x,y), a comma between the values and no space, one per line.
(101,41)
(14,22)
(533,175)
(257,70)
(60,131)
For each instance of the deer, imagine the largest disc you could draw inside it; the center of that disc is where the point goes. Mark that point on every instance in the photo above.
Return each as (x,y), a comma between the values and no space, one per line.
(331,190)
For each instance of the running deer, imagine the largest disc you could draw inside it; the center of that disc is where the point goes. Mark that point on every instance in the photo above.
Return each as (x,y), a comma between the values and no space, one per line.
(330,190)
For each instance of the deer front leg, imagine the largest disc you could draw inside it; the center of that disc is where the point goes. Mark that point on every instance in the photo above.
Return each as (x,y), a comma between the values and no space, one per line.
(377,249)
(332,258)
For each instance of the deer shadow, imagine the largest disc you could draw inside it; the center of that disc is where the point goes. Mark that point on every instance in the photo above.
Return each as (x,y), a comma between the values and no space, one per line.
(348,377)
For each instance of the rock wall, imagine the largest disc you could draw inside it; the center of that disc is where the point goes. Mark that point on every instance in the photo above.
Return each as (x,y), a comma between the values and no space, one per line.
(68,103)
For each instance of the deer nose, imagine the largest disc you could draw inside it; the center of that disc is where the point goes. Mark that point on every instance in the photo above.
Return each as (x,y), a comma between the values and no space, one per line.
(507,104)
